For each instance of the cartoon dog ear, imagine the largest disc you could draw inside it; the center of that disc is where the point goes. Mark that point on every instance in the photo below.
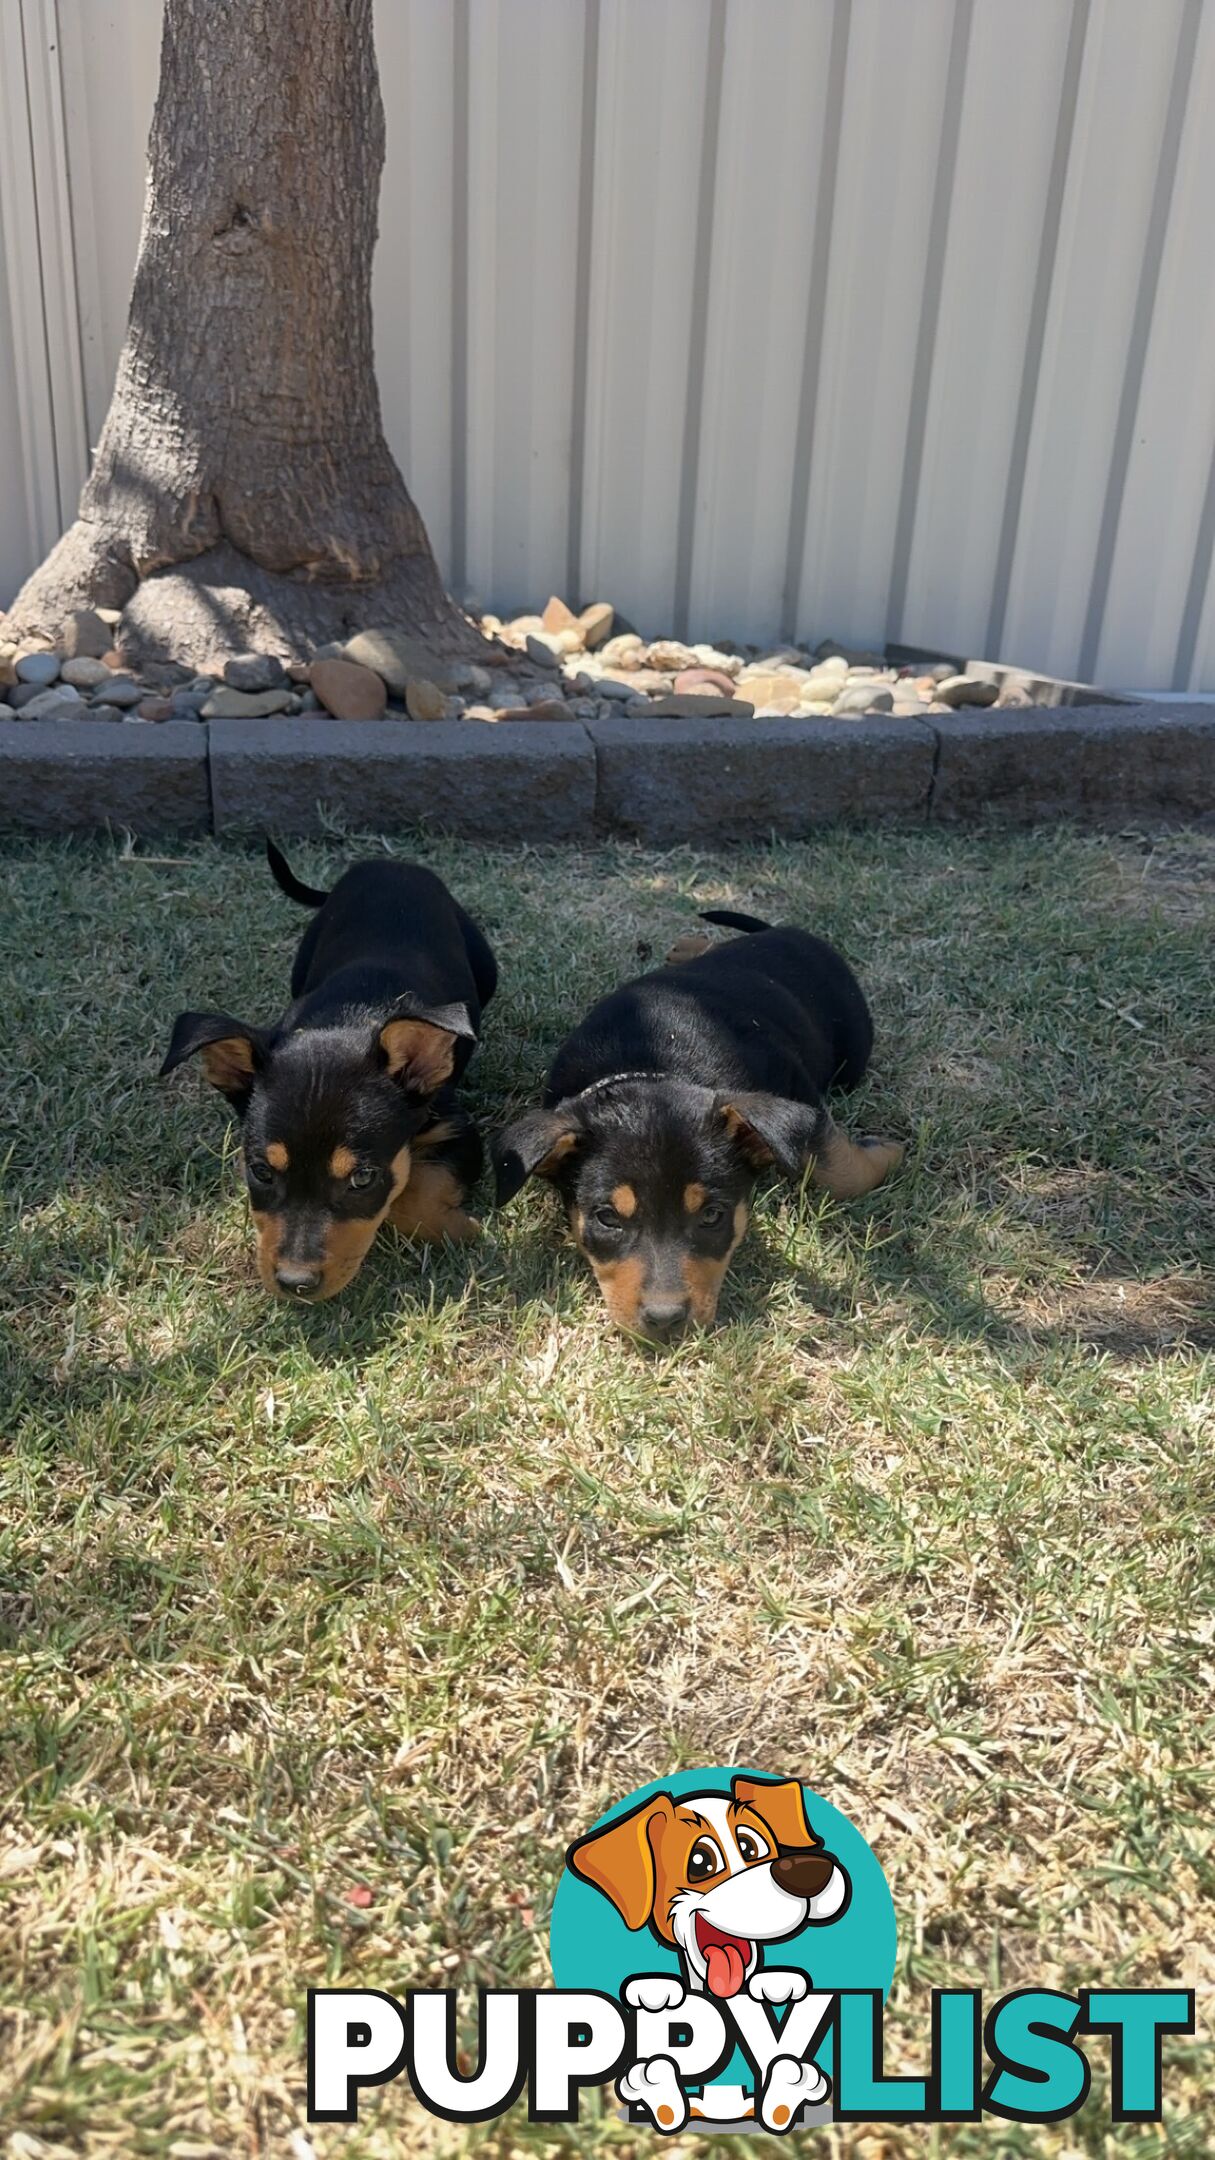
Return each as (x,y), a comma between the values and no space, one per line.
(619,1859)
(232,1052)
(772,1129)
(533,1146)
(780,1802)
(419,1048)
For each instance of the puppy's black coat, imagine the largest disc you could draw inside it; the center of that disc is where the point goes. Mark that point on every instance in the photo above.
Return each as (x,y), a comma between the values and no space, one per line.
(675,1091)
(347,1102)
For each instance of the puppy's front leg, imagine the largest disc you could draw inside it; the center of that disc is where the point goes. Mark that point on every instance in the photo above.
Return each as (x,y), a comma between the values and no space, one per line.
(848,1168)
(445,1163)
(688,947)
(430,1208)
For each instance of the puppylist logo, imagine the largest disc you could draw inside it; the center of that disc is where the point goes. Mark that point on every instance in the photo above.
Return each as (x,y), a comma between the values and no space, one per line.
(723,1909)
(722,1946)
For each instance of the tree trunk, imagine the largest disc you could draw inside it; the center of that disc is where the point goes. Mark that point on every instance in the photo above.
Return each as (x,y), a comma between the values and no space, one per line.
(243,494)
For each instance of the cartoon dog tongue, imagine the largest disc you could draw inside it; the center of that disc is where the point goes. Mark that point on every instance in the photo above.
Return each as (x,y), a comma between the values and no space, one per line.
(725,1966)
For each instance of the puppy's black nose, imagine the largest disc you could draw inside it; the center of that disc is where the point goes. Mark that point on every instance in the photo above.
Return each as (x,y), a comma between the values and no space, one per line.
(664,1319)
(297,1282)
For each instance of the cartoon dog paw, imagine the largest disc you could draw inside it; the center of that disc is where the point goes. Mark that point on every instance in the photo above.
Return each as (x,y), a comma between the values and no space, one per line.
(790,2086)
(778,1987)
(654,1991)
(654,2086)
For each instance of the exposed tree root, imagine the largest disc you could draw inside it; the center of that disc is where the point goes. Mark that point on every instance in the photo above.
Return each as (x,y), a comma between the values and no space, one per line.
(201,612)
(88,567)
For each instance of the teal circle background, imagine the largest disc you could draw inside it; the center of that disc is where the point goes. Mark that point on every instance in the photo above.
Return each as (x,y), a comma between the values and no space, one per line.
(592,1948)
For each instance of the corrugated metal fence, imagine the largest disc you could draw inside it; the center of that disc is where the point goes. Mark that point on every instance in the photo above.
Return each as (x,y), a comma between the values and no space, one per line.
(889,318)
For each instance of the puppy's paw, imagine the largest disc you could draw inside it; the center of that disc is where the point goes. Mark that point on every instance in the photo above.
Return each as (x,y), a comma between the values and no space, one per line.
(688,947)
(462,1229)
(890,1153)
(654,1991)
(654,2086)
(789,2087)
(778,1986)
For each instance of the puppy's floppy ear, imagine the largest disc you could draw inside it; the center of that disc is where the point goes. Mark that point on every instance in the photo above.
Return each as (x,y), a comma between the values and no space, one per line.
(619,1859)
(779,1801)
(773,1129)
(419,1046)
(532,1147)
(232,1051)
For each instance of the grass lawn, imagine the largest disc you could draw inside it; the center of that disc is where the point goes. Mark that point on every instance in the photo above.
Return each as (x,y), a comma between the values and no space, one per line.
(322,1631)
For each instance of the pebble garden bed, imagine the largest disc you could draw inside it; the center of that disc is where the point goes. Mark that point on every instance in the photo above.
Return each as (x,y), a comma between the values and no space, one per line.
(580,667)
(568,728)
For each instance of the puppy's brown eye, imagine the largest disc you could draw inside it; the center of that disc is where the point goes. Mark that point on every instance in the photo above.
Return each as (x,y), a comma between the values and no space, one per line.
(703,1860)
(607,1218)
(259,1172)
(711,1213)
(751,1847)
(361,1178)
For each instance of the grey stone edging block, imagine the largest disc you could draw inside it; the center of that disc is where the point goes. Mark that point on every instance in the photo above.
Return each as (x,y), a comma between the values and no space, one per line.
(663,781)
(68,775)
(1095,765)
(673,780)
(513,780)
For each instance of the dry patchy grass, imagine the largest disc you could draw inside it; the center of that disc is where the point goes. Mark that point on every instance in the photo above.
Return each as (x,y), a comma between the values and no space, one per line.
(393,1596)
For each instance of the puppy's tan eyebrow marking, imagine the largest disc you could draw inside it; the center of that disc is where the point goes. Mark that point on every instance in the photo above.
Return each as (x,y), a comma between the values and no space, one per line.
(276,1155)
(694,1197)
(341,1162)
(624,1200)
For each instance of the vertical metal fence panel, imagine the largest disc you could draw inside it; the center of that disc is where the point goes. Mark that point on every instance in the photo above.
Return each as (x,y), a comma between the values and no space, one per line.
(1122,109)
(992,249)
(110,56)
(768,317)
(774,116)
(894,95)
(42,446)
(523,129)
(31,510)
(1165,527)
(646,194)
(416,259)
(48,138)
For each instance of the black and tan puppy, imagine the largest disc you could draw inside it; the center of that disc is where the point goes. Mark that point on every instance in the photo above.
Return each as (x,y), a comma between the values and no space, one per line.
(675,1091)
(346,1103)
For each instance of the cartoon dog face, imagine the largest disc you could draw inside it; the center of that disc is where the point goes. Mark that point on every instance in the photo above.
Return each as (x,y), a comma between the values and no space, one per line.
(717,1875)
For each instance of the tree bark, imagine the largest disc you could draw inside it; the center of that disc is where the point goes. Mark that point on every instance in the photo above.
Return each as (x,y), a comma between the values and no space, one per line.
(243,494)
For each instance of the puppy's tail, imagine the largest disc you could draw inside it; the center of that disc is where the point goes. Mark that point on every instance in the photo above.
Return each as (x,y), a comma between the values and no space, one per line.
(727,920)
(287,881)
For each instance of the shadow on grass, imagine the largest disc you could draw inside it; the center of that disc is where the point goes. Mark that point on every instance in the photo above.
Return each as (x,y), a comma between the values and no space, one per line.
(880,1263)
(981,1025)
